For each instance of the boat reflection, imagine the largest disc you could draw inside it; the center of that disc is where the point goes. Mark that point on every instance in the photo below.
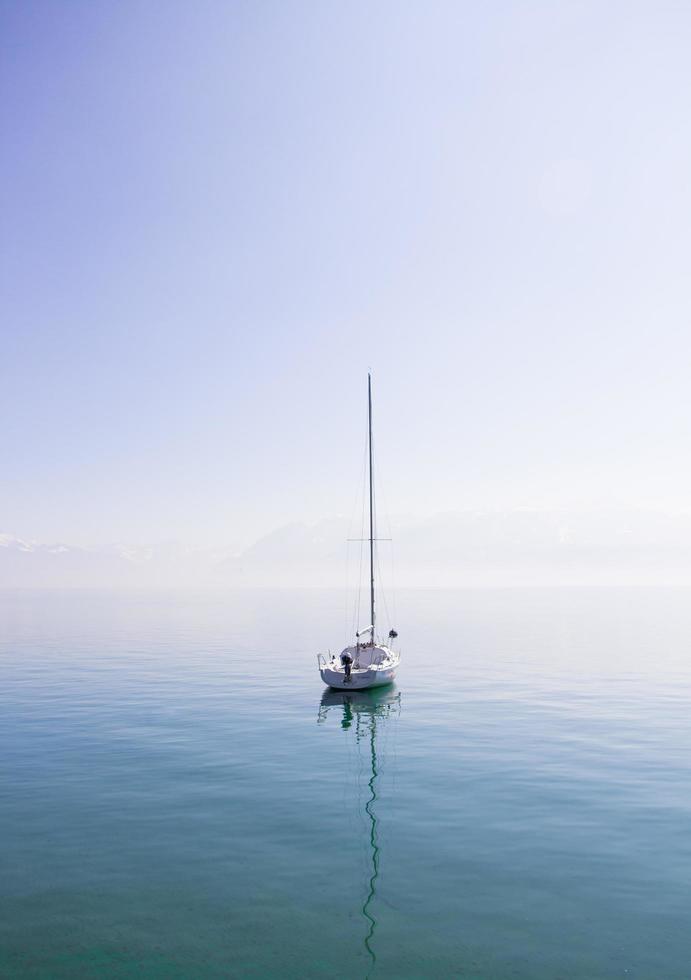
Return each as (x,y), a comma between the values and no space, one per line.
(363,710)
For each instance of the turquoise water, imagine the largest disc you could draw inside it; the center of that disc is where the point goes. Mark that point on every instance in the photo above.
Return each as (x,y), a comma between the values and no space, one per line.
(178,798)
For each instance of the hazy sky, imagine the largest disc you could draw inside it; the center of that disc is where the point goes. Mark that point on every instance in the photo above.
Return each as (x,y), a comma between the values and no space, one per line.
(216,216)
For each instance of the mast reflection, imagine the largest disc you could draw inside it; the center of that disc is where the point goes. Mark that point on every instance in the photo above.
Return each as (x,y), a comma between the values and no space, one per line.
(364,709)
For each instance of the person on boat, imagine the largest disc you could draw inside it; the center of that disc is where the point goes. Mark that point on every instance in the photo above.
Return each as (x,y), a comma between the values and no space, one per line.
(346,660)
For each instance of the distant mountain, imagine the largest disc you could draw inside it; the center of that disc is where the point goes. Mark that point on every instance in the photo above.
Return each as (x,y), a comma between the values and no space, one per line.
(464,548)
(324,541)
(30,564)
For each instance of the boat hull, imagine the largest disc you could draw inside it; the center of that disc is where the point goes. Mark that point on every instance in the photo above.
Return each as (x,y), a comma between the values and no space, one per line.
(359,680)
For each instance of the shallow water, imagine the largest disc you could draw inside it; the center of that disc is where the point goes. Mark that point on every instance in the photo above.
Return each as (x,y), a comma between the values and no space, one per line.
(178,798)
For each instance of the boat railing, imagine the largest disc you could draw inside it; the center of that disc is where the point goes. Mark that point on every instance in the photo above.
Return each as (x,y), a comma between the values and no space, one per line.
(324,660)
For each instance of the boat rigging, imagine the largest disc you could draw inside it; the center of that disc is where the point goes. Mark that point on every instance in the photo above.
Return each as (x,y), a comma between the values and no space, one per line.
(368,664)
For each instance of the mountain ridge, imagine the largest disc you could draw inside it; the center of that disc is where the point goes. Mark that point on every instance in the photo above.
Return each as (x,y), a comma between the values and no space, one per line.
(458,547)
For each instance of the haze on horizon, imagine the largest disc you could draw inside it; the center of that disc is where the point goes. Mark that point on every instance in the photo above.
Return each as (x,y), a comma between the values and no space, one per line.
(219,216)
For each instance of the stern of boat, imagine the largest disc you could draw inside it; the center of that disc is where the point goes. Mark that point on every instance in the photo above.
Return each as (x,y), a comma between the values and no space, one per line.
(360,678)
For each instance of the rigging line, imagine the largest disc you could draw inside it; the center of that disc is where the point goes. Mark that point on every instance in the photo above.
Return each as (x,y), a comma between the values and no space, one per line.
(393,587)
(374,529)
(347,602)
(350,601)
(372,512)
(382,590)
(347,590)
(387,517)
(356,612)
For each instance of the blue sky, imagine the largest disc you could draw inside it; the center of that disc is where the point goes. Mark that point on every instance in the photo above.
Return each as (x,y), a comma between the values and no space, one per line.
(217,216)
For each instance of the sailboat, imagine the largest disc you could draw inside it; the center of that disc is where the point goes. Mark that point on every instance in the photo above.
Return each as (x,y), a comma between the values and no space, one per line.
(367,663)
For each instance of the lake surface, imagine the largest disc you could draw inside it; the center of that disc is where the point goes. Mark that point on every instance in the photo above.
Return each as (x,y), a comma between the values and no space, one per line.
(178,798)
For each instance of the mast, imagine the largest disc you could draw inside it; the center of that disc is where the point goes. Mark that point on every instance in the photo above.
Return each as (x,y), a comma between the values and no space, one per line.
(371,506)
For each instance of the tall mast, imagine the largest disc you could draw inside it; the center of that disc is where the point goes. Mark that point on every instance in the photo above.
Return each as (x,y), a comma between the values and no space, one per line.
(371,506)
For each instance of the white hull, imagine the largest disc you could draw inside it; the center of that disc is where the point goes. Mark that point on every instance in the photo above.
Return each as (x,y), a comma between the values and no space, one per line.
(374,665)
(358,680)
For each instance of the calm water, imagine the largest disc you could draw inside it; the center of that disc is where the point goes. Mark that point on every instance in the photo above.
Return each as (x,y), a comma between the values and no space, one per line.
(179,799)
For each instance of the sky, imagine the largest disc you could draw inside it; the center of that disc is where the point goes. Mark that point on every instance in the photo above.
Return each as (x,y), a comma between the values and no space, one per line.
(218,216)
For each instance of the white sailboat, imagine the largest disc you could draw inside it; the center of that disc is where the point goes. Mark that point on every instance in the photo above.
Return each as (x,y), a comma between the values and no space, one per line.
(369,662)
